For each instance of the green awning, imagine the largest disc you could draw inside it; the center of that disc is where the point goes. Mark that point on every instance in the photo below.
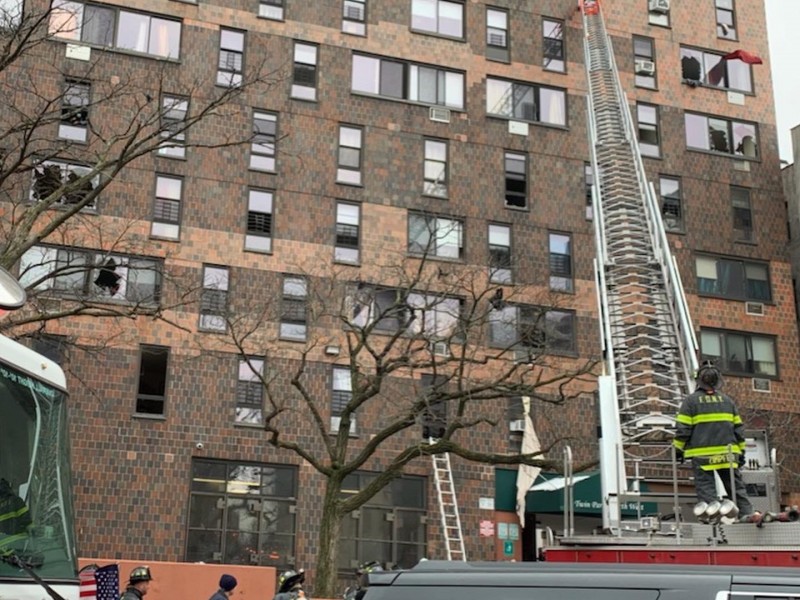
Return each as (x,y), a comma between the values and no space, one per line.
(546,495)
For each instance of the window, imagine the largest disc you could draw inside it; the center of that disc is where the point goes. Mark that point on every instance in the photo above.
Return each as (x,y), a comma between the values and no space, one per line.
(293,309)
(250,391)
(341,394)
(713,70)
(349,157)
(173,124)
(304,79)
(152,391)
(671,203)
(271,9)
(644,62)
(400,80)
(740,353)
(553,45)
(348,226)
(74,124)
(433,236)
(516,178)
(532,329)
(434,417)
(588,184)
(262,148)
(659,12)
(435,169)
(167,208)
(242,514)
(525,102)
(733,279)
(742,214)
(561,263)
(497,34)
(231,58)
(390,528)
(259,221)
(649,137)
(72,182)
(10,14)
(721,135)
(214,298)
(354,17)
(385,309)
(93,275)
(112,27)
(443,17)
(726,22)
(388,310)
(54,347)
(499,253)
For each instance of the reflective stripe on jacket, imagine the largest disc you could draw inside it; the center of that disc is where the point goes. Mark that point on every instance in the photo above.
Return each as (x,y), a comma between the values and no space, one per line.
(710,430)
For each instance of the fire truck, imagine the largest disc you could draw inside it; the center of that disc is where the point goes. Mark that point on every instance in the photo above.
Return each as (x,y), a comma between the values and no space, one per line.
(650,357)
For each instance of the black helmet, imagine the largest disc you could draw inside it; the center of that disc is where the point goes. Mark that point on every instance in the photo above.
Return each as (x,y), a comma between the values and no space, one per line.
(365,569)
(289,579)
(140,574)
(708,375)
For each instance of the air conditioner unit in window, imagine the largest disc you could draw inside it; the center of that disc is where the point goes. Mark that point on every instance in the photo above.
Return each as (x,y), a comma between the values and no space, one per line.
(754,308)
(645,67)
(440,349)
(762,385)
(517,425)
(659,6)
(437,113)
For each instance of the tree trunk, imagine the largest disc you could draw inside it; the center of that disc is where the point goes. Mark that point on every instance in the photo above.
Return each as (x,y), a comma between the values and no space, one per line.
(326,580)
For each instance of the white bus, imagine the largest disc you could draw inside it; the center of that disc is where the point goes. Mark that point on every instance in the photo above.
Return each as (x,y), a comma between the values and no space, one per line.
(37,541)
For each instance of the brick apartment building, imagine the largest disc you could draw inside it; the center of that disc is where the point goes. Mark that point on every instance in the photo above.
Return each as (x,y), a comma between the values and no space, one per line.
(382,117)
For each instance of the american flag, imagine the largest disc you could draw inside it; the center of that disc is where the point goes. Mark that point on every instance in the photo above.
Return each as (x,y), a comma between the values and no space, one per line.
(99,583)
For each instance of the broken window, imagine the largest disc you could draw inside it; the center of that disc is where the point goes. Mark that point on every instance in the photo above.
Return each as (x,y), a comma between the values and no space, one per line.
(713,70)
(644,61)
(167,208)
(294,309)
(74,123)
(433,236)
(726,19)
(671,203)
(259,221)
(152,391)
(742,214)
(531,329)
(561,279)
(304,73)
(250,391)
(262,148)
(525,102)
(649,136)
(73,183)
(553,42)
(500,253)
(349,155)
(354,17)
(721,135)
(214,298)
(385,309)
(173,123)
(497,34)
(230,66)
(341,394)
(516,179)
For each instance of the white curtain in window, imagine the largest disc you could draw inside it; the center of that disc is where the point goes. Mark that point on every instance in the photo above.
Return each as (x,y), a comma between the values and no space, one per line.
(342,380)
(448,238)
(764,356)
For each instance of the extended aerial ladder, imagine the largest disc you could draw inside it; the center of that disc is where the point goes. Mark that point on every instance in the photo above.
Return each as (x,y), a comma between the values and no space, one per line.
(649,347)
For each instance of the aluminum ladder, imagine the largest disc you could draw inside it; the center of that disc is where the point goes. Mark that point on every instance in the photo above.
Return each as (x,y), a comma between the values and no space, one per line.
(448,507)
(649,346)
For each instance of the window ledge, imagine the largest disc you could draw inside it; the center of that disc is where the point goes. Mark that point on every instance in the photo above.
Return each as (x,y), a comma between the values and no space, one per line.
(436,34)
(344,263)
(539,123)
(728,298)
(254,251)
(164,239)
(348,184)
(248,425)
(699,84)
(125,51)
(727,155)
(425,105)
(148,417)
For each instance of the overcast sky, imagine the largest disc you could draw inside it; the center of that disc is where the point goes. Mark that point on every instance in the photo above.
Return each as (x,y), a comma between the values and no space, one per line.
(783,22)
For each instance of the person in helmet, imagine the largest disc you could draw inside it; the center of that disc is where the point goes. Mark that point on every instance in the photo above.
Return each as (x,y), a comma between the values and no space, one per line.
(357,591)
(138,584)
(710,432)
(290,585)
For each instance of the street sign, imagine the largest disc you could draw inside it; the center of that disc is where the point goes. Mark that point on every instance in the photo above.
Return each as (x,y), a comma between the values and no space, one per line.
(513,531)
(508,548)
(502,531)
(487,528)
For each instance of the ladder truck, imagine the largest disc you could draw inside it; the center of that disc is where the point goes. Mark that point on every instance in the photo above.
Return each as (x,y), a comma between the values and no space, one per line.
(649,350)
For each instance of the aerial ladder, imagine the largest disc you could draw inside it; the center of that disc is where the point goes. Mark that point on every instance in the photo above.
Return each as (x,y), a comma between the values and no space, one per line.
(648,342)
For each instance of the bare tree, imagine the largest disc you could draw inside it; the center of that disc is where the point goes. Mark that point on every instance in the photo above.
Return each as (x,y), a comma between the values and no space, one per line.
(431,353)
(77,131)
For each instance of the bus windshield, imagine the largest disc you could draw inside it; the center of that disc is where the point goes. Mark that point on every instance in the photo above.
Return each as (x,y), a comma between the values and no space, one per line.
(36,518)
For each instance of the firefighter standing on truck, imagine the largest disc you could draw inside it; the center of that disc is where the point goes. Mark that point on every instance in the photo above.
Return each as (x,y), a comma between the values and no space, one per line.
(710,433)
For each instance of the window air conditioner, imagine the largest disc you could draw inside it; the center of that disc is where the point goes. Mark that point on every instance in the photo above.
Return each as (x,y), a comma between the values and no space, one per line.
(754,308)
(762,385)
(517,425)
(440,349)
(659,6)
(645,67)
(439,114)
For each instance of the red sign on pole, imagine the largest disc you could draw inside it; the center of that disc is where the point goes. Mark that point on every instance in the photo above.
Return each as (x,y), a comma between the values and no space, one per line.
(487,528)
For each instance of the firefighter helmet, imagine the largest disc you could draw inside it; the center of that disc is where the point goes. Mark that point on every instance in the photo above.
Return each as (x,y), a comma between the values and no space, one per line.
(365,569)
(140,574)
(708,374)
(289,579)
